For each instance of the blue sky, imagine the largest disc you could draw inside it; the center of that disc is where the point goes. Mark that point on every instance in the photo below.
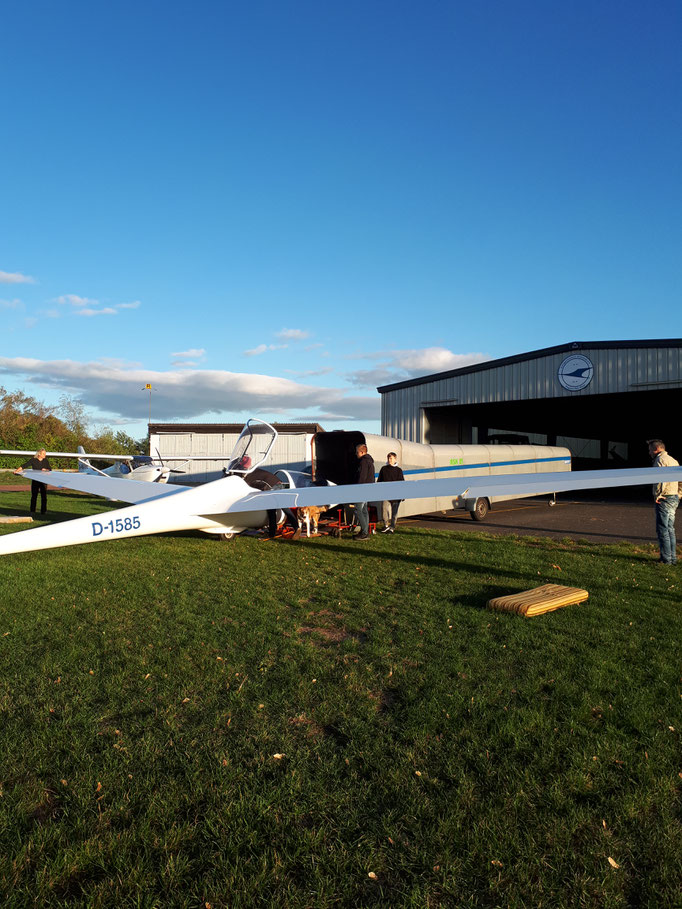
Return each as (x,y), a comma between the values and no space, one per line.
(269,209)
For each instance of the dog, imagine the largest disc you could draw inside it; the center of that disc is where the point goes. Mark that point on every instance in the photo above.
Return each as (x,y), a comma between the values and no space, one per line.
(310,514)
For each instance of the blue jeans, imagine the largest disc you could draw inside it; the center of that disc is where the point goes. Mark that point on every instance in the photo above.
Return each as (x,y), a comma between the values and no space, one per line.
(665,528)
(362,514)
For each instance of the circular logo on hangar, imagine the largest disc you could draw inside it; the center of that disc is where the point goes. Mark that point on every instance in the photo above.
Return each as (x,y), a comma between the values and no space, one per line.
(575,372)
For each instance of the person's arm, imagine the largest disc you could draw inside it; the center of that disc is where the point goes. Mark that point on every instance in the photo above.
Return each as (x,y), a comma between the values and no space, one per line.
(21,469)
(658,487)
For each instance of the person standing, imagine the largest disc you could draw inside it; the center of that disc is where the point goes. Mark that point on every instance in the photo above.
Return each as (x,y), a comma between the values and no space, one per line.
(666,499)
(265,481)
(389,473)
(37,462)
(364,473)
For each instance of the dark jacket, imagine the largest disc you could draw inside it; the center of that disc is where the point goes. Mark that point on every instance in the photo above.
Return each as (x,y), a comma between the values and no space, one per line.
(389,473)
(365,470)
(36,464)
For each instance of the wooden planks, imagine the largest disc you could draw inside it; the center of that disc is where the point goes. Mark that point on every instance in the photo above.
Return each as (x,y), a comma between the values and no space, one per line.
(539,600)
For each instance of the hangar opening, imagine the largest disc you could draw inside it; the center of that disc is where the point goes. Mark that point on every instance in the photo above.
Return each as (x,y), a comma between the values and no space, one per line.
(602,400)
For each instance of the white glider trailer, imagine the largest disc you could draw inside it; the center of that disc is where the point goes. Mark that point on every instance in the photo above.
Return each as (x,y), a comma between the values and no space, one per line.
(334,458)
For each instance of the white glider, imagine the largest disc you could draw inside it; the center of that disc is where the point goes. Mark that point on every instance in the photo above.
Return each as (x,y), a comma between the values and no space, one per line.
(228,506)
(124,467)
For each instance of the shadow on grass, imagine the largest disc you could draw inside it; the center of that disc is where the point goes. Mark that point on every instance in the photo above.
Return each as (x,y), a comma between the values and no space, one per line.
(365,551)
(50,517)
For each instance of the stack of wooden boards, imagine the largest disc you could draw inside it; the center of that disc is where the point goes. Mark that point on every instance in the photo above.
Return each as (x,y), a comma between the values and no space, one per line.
(539,600)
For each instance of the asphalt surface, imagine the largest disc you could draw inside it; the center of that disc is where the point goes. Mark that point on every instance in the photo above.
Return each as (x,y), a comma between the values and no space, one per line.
(581,518)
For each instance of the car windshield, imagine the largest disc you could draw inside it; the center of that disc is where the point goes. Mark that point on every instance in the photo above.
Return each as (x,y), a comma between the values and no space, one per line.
(252,447)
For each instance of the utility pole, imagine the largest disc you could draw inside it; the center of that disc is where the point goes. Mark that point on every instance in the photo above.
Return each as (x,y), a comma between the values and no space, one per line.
(148,388)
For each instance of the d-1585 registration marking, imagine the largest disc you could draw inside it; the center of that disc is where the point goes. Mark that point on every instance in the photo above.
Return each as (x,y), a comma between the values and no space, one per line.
(118,525)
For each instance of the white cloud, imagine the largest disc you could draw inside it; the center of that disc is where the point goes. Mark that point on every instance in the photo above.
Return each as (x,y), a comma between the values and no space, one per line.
(192,352)
(325,371)
(118,363)
(11,304)
(189,358)
(182,394)
(75,300)
(8,277)
(292,334)
(86,306)
(398,365)
(262,348)
(107,311)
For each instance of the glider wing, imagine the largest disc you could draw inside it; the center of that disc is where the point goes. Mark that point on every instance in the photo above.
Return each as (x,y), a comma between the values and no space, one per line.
(181,508)
(459,487)
(101,485)
(211,506)
(68,454)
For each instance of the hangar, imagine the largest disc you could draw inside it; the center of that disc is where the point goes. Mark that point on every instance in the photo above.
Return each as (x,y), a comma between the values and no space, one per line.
(173,442)
(600,399)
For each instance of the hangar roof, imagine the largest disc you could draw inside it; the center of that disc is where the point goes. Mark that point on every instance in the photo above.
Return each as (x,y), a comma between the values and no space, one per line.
(534,355)
(230,427)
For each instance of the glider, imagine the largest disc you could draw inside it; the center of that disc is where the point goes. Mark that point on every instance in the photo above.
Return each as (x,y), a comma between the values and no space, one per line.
(125,467)
(228,506)
(139,467)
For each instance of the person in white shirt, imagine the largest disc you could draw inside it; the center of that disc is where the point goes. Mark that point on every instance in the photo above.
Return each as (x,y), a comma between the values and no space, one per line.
(666,499)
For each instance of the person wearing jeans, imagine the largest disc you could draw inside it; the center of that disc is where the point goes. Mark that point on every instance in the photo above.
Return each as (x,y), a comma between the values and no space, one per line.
(666,499)
(364,474)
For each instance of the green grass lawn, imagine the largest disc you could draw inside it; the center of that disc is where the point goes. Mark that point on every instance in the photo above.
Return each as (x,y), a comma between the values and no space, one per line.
(186,722)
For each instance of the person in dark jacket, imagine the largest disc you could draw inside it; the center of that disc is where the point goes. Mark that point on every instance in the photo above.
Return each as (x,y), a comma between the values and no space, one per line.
(364,474)
(37,462)
(264,480)
(388,473)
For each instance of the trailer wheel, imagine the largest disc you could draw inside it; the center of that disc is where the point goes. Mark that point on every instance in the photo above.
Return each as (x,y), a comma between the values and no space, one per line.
(480,510)
(226,536)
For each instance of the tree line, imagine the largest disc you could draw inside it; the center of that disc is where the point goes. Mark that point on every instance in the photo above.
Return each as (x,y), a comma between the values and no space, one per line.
(28,424)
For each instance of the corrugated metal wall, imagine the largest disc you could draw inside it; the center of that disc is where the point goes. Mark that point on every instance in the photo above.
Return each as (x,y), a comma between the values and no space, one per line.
(290,449)
(615,370)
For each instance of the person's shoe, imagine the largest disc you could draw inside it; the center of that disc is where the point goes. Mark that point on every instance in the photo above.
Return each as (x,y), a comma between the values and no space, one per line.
(361,536)
(387,530)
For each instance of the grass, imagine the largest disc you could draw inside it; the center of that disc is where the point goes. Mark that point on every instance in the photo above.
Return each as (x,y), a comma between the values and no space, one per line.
(186,722)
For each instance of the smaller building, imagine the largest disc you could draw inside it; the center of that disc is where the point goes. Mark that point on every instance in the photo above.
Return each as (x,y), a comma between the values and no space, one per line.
(174,442)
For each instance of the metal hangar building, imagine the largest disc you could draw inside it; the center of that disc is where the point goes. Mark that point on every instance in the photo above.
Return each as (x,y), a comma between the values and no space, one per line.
(600,399)
(172,442)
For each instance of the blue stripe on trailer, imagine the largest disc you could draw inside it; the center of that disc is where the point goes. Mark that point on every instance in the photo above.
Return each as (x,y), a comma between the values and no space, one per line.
(450,468)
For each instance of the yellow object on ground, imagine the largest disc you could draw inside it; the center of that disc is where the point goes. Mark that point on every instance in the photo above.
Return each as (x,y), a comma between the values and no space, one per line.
(539,600)
(15,520)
